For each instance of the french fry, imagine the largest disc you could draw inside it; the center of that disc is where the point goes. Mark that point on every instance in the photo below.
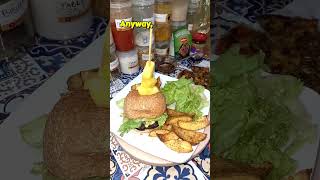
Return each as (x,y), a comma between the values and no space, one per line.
(173,113)
(194,125)
(179,145)
(193,137)
(175,120)
(168,136)
(154,133)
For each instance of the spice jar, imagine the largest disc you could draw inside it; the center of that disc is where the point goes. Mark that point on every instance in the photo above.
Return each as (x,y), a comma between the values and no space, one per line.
(143,55)
(162,16)
(122,36)
(179,10)
(198,47)
(129,63)
(15,27)
(162,48)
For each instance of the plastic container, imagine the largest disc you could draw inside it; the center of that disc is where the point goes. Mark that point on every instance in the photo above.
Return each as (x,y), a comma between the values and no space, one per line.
(198,47)
(129,63)
(179,10)
(142,12)
(162,16)
(61,19)
(123,36)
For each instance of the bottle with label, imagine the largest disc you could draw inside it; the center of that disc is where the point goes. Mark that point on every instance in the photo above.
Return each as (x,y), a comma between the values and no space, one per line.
(192,17)
(142,12)
(162,15)
(16,28)
(129,63)
(120,13)
(114,63)
(61,19)
(179,10)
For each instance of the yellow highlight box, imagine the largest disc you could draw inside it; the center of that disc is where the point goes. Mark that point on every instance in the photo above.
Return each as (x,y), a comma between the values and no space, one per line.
(136,24)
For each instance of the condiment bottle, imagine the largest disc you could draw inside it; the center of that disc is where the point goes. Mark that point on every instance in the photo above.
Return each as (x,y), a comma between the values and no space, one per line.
(179,10)
(162,17)
(61,19)
(15,27)
(142,12)
(114,60)
(129,63)
(192,13)
(123,36)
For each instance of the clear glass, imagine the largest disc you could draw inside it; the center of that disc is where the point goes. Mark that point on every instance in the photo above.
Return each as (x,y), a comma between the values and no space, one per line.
(163,11)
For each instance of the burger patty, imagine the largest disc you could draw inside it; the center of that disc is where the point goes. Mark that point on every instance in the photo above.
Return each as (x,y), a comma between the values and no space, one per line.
(152,126)
(137,106)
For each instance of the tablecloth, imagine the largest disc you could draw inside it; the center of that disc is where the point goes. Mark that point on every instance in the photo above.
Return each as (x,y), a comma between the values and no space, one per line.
(21,76)
(124,167)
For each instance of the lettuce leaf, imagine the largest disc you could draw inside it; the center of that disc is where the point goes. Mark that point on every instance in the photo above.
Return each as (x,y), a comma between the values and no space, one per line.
(130,124)
(257,118)
(186,96)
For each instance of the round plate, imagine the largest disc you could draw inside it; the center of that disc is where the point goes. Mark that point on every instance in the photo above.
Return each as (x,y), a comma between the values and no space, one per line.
(149,159)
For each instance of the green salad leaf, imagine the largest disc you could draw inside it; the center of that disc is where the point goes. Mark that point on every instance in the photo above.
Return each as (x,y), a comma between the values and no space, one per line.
(130,124)
(32,132)
(186,96)
(256,117)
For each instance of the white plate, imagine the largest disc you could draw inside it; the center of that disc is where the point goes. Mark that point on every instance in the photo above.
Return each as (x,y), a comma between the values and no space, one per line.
(141,141)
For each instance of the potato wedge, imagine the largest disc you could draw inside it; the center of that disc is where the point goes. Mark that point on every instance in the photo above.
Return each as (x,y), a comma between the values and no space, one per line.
(174,120)
(193,137)
(173,113)
(158,84)
(179,145)
(168,136)
(194,125)
(75,82)
(154,133)
(167,127)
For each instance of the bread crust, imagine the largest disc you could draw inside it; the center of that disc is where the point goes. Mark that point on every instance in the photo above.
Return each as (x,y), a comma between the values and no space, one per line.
(148,106)
(75,138)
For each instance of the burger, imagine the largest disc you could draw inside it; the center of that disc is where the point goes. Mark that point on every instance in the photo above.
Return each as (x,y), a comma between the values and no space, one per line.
(143,112)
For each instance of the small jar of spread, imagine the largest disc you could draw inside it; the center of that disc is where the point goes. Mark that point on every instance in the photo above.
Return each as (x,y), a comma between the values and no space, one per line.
(165,65)
(198,46)
(143,55)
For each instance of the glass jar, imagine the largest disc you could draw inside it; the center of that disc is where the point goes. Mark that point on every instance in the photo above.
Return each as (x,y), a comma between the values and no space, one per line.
(143,55)
(199,45)
(162,48)
(123,36)
(129,63)
(16,28)
(179,10)
(142,12)
(114,63)
(162,15)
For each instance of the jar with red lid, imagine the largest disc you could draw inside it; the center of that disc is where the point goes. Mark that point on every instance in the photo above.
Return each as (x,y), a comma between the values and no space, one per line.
(123,36)
(198,47)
